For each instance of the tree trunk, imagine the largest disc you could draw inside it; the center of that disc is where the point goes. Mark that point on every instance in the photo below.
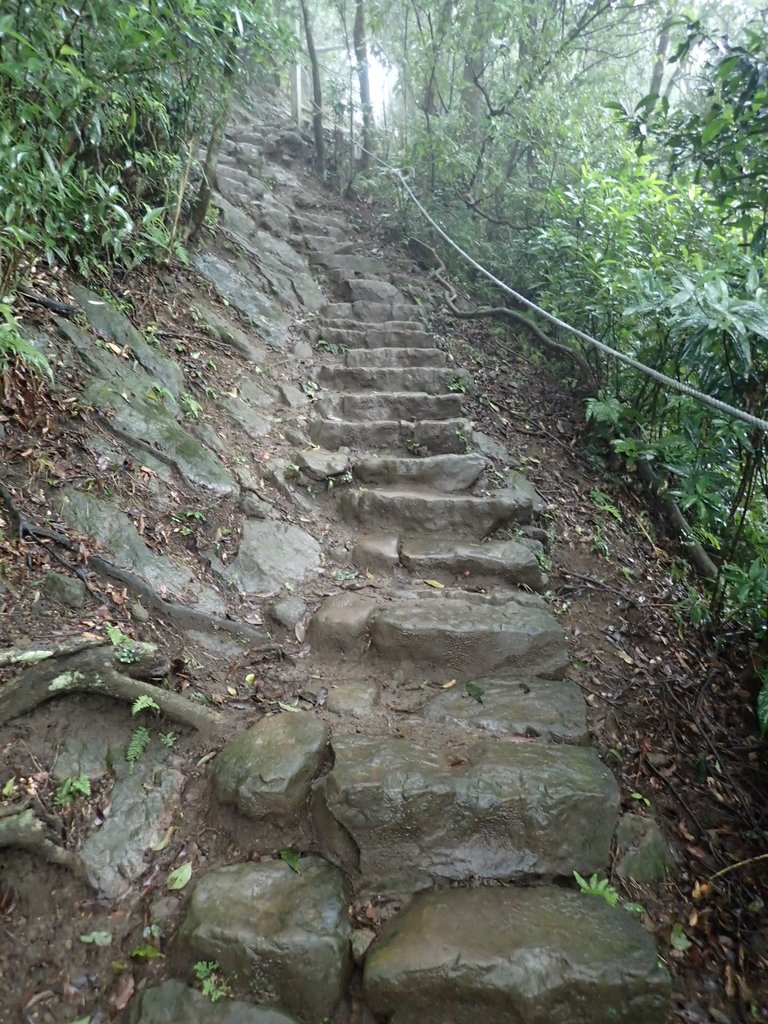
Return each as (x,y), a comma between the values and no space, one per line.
(361,56)
(203,201)
(662,46)
(317,92)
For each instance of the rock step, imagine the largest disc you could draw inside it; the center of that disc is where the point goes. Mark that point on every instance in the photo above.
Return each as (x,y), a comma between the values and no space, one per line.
(437,436)
(304,225)
(447,473)
(545,709)
(508,560)
(361,357)
(488,808)
(370,312)
(326,244)
(390,405)
(427,379)
(287,932)
(351,264)
(501,955)
(451,634)
(356,289)
(414,510)
(363,336)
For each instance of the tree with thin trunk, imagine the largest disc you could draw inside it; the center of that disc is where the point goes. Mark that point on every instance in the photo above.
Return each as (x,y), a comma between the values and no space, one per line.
(361,57)
(317,91)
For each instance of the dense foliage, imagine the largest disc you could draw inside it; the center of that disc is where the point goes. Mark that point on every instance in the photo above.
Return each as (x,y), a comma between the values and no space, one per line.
(102,106)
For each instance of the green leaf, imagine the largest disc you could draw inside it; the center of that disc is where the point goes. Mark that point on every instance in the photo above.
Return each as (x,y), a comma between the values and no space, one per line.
(292,859)
(144,703)
(762,708)
(179,878)
(145,951)
(9,788)
(475,692)
(97,938)
(678,939)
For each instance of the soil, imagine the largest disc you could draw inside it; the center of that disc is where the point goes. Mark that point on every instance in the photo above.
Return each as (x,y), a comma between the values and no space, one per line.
(671,709)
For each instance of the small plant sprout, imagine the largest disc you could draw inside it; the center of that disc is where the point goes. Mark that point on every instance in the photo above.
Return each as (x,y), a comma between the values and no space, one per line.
(70,789)
(208,973)
(595,887)
(137,745)
(144,703)
(459,385)
(190,406)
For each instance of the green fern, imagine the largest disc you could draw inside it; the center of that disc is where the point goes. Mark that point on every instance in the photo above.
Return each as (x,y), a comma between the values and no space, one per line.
(144,703)
(138,744)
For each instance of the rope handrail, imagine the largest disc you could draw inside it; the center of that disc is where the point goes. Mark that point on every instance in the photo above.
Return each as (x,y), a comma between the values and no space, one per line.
(657,375)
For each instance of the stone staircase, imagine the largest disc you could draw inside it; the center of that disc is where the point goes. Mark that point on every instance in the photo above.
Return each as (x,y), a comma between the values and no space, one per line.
(474,814)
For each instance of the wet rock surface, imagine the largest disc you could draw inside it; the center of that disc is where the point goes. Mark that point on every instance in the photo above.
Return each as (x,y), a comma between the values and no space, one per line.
(272,554)
(533,708)
(541,956)
(174,1003)
(267,770)
(143,800)
(287,933)
(489,809)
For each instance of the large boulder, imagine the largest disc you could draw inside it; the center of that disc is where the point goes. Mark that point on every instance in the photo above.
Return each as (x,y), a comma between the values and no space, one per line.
(285,932)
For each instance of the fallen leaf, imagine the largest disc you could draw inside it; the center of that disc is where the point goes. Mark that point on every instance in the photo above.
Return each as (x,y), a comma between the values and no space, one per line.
(231,691)
(435,584)
(180,877)
(161,844)
(475,692)
(678,939)
(292,859)
(206,758)
(97,938)
(123,991)
(449,684)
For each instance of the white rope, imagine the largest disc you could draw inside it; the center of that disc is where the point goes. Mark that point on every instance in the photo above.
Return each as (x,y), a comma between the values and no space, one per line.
(662,378)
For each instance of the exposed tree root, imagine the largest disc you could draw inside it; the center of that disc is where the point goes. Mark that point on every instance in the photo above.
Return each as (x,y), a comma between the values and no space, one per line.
(24,830)
(189,618)
(122,672)
(586,375)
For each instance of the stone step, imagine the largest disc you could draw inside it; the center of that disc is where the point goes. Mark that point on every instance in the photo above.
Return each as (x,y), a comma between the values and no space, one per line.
(508,560)
(286,931)
(366,290)
(370,312)
(353,335)
(447,473)
(427,379)
(488,808)
(422,510)
(390,405)
(304,225)
(438,437)
(501,955)
(450,634)
(350,264)
(365,358)
(326,244)
(544,709)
